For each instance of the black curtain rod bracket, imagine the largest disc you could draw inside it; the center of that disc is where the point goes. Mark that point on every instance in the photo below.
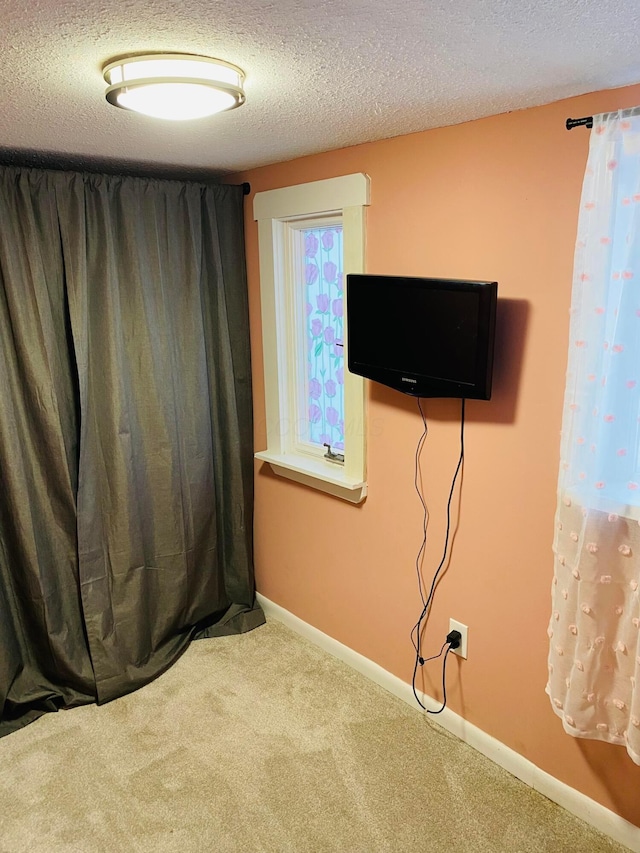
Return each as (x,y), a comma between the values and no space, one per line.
(585,121)
(246,188)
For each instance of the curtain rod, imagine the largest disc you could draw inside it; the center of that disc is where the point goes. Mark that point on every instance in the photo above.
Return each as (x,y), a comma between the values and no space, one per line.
(585,121)
(246,188)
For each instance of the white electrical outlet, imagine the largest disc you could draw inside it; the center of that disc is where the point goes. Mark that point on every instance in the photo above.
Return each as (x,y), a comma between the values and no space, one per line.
(464,631)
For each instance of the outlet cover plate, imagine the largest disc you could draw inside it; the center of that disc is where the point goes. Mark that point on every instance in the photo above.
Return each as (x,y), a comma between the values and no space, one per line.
(461,651)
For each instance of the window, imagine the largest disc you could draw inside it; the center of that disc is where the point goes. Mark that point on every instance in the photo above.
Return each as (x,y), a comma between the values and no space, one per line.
(318,284)
(601,446)
(310,237)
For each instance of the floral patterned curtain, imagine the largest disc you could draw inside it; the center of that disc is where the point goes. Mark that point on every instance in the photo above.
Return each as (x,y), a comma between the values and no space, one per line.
(325,360)
(594,631)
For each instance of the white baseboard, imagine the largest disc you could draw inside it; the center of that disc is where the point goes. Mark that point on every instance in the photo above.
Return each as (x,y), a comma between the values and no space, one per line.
(573,801)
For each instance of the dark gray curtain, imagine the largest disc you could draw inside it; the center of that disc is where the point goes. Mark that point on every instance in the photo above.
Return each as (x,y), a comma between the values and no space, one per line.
(125,432)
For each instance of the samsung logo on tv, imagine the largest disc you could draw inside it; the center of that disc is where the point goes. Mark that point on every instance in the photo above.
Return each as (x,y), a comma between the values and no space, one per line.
(406,379)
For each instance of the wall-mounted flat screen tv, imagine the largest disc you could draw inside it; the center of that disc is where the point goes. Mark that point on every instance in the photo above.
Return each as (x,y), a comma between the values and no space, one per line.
(429,337)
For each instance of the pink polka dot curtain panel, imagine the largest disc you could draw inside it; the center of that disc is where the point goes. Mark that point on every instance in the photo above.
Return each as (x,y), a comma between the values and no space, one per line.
(594,630)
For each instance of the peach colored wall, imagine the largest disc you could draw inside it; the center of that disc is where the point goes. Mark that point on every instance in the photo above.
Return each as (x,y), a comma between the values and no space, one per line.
(491,199)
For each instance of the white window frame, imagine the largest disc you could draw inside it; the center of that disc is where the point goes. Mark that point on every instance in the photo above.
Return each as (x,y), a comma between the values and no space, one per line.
(275,210)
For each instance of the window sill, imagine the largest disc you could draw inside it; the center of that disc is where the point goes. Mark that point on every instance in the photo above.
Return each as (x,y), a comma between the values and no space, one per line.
(325,476)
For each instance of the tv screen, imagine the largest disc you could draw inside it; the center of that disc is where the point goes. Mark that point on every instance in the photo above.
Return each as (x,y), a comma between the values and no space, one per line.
(429,337)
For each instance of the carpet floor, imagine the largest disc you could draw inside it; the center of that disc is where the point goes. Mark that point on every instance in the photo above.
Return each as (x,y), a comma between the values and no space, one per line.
(262,743)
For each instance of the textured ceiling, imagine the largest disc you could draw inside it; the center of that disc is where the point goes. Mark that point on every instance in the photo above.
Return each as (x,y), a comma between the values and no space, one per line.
(319,75)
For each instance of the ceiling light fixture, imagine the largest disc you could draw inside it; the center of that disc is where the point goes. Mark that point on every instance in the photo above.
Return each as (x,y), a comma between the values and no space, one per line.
(175,86)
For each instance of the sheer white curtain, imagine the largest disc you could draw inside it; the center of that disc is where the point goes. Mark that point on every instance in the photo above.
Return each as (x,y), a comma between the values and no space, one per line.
(594,631)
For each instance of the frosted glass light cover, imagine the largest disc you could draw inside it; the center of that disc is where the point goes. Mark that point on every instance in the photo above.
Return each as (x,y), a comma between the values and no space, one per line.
(175,101)
(168,86)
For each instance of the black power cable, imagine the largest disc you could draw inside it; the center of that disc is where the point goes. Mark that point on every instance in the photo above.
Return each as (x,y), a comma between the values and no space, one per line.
(444,685)
(425,513)
(416,632)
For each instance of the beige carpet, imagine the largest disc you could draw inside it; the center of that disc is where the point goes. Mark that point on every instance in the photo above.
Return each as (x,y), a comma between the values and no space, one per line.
(258,743)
